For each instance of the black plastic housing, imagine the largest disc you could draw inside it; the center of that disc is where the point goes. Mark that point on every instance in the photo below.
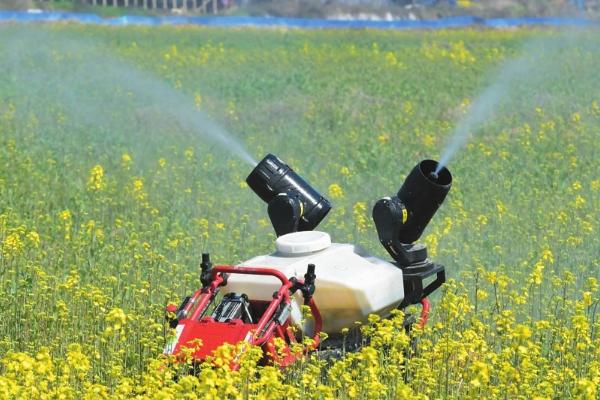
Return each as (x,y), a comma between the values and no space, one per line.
(422,194)
(272,177)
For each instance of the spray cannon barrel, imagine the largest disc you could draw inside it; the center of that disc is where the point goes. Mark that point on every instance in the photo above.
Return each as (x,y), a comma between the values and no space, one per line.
(401,219)
(422,193)
(293,205)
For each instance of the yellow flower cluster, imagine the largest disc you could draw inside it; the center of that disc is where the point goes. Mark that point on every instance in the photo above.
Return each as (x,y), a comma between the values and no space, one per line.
(96,180)
(12,245)
(335,191)
(467,353)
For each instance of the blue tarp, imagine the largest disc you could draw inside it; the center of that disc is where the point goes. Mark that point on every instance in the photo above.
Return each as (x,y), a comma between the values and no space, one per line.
(450,22)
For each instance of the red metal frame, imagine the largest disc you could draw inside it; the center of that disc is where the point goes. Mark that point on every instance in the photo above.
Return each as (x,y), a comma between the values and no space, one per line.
(262,334)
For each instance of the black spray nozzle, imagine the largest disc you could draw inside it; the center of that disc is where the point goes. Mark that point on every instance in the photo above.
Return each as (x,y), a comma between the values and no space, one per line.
(293,204)
(422,193)
(401,219)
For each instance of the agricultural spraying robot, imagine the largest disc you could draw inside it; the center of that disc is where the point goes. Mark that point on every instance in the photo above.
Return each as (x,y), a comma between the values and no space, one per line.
(260,300)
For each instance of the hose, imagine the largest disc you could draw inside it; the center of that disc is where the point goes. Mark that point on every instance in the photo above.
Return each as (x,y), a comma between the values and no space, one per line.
(424,313)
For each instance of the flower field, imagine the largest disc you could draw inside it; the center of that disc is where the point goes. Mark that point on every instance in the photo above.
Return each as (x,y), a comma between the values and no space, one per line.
(113,181)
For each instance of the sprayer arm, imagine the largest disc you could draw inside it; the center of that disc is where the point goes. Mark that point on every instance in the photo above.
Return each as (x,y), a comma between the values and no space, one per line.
(285,211)
(389,214)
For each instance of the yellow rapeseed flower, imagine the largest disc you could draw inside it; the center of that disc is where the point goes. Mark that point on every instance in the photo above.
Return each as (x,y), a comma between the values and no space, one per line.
(345,171)
(189,153)
(34,238)
(335,191)
(383,138)
(96,179)
(126,160)
(138,189)
(12,245)
(78,361)
(360,217)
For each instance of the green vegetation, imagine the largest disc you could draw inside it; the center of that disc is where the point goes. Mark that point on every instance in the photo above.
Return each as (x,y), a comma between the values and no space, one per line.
(109,193)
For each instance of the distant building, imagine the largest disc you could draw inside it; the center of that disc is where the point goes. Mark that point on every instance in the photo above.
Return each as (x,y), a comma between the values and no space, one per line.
(205,6)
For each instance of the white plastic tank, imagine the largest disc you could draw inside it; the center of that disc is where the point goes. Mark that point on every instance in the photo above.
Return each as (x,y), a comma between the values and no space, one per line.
(350,283)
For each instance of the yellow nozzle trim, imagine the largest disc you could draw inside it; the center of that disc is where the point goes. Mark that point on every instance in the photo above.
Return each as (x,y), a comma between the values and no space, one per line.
(404,215)
(301,209)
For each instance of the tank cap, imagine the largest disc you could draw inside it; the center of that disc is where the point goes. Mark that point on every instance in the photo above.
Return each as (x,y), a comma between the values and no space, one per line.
(303,242)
